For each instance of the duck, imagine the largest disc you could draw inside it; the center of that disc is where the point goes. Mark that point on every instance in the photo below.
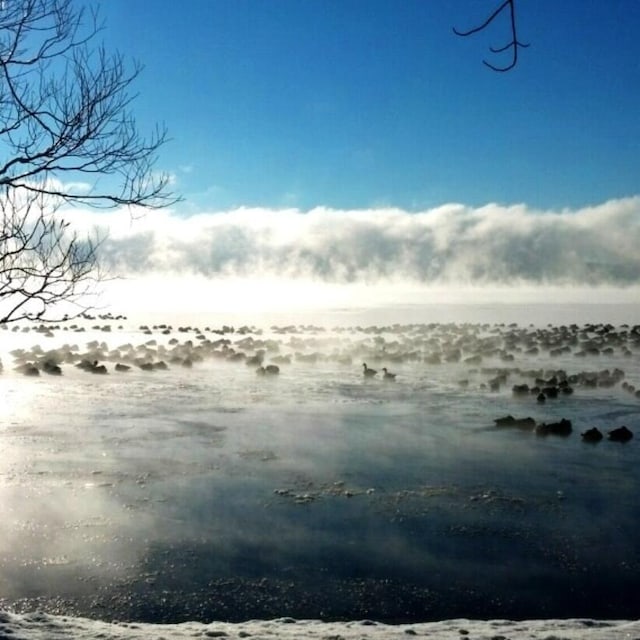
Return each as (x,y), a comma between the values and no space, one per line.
(28,369)
(592,435)
(388,375)
(52,368)
(621,434)
(91,367)
(562,428)
(368,373)
(269,370)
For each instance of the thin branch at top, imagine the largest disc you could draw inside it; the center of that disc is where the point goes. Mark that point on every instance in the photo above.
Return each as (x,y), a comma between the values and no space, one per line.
(513,44)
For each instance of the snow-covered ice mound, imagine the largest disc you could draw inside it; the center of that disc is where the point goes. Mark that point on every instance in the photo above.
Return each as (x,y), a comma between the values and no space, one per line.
(37,626)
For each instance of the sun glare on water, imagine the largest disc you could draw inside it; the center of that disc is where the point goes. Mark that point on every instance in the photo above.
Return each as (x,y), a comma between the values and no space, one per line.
(262,294)
(269,294)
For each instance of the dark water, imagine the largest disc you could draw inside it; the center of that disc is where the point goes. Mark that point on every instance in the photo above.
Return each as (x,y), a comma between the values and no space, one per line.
(211,493)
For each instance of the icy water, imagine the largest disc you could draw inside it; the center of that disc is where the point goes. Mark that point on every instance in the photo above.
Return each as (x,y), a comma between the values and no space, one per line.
(210,492)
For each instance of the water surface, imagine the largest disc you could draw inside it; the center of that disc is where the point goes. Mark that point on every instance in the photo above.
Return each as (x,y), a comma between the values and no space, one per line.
(212,492)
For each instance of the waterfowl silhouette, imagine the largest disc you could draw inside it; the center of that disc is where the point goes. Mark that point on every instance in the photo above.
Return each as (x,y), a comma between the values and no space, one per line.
(621,434)
(368,373)
(388,375)
(592,435)
(562,428)
(52,368)
(269,370)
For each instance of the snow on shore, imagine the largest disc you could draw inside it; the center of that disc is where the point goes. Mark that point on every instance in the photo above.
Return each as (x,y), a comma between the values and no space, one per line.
(37,626)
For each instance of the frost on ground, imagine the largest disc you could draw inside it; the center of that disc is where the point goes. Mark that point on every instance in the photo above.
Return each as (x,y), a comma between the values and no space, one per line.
(38,626)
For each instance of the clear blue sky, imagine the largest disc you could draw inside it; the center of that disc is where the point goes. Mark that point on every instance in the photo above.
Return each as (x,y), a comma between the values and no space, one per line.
(364,103)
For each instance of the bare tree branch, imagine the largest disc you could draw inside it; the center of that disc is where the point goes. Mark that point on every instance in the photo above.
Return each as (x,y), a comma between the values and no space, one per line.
(67,136)
(64,111)
(512,45)
(42,262)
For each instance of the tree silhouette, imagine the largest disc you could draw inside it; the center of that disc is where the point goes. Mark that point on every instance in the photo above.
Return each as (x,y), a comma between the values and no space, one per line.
(511,46)
(42,261)
(66,137)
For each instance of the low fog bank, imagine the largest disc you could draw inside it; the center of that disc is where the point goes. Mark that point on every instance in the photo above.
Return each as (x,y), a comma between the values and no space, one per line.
(493,245)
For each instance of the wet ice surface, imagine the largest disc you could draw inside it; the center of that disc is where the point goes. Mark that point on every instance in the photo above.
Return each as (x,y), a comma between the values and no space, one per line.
(212,493)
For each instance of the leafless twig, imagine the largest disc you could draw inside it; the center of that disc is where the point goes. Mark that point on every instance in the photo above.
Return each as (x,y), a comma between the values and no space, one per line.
(512,45)
(43,263)
(67,136)
(66,129)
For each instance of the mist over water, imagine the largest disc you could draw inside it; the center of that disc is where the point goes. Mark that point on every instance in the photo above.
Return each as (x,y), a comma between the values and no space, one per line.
(450,244)
(211,492)
(249,260)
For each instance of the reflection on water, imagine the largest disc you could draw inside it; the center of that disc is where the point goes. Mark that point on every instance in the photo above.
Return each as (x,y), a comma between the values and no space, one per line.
(213,493)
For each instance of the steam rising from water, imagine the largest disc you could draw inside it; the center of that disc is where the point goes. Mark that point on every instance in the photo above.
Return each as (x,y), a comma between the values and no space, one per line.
(451,244)
(264,260)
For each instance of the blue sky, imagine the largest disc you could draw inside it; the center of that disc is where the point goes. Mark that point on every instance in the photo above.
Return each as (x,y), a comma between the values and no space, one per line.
(376,103)
(357,152)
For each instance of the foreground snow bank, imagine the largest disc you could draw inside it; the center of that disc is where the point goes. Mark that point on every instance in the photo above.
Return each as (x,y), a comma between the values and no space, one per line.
(37,626)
